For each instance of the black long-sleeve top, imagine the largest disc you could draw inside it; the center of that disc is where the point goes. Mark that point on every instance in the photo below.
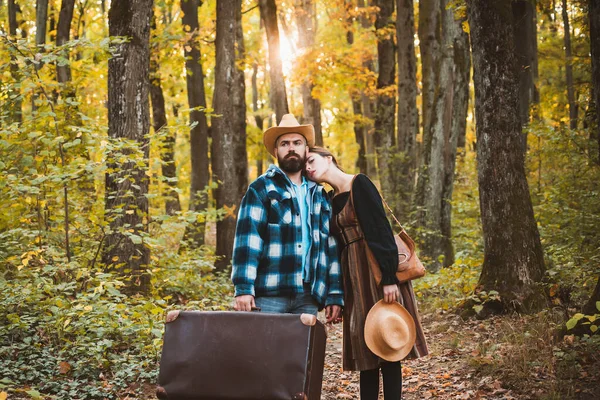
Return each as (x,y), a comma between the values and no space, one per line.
(374,224)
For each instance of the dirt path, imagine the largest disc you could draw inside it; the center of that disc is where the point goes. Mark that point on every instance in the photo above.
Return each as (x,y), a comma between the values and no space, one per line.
(442,375)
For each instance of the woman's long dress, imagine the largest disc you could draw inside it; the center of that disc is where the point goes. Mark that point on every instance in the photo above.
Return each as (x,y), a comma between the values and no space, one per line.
(361,292)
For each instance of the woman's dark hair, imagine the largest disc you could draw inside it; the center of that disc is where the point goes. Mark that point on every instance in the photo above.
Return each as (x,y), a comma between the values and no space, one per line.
(323,152)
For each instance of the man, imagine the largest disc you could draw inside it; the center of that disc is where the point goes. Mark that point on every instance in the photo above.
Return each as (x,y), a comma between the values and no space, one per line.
(284,260)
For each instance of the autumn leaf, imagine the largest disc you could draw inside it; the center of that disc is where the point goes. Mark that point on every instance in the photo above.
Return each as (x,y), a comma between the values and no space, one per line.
(64,367)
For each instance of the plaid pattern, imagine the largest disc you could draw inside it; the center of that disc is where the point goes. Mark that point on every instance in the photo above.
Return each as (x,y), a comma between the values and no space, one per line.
(267,252)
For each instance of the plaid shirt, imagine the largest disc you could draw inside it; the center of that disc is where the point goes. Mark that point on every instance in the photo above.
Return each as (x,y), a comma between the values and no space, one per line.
(267,252)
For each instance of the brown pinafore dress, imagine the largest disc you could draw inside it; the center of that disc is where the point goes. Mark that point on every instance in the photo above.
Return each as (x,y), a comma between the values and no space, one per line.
(361,292)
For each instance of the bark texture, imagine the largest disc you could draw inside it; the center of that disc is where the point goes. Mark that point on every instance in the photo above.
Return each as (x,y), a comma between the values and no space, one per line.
(385,121)
(159,121)
(63,35)
(594,18)
(14,95)
(225,133)
(573,109)
(525,38)
(407,121)
(194,234)
(306,21)
(362,106)
(460,53)
(513,261)
(240,155)
(268,15)
(128,126)
(430,30)
(41,20)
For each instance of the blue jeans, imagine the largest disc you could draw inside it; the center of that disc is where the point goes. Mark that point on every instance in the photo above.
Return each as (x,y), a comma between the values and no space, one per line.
(294,304)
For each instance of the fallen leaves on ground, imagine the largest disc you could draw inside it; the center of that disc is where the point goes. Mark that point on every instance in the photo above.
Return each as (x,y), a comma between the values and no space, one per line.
(443,374)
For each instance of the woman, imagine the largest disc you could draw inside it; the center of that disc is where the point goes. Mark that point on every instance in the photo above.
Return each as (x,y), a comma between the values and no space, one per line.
(365,238)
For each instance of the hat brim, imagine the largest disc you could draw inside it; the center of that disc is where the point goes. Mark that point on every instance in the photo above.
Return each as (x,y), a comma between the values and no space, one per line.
(272,134)
(371,327)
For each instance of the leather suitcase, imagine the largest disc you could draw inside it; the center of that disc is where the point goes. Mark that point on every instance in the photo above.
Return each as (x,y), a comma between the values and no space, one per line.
(241,355)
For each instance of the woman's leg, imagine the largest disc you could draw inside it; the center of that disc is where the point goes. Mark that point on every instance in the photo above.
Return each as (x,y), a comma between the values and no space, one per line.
(369,384)
(392,380)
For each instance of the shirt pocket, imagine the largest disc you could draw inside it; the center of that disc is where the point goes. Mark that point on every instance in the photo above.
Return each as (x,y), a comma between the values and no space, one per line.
(280,211)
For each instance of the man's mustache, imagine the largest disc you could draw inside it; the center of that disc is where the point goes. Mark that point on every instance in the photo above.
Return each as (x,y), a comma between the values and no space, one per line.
(290,155)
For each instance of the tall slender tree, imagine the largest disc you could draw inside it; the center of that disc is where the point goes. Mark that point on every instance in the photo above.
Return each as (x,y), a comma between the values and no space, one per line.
(159,122)
(460,53)
(199,132)
(513,263)
(41,19)
(407,122)
(305,12)
(225,133)
(268,16)
(14,95)
(525,33)
(594,23)
(126,201)
(240,158)
(63,35)
(573,107)
(430,185)
(430,31)
(359,99)
(386,102)
(41,22)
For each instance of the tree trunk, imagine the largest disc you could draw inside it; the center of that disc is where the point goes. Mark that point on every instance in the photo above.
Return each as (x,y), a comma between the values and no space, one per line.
(159,120)
(430,31)
(240,158)
(268,15)
(386,103)
(225,133)
(194,234)
(360,125)
(15,100)
(461,60)
(41,19)
(525,37)
(63,34)
(258,117)
(569,68)
(307,31)
(594,18)
(360,133)
(128,125)
(513,262)
(408,114)
(437,151)
(590,307)
(430,42)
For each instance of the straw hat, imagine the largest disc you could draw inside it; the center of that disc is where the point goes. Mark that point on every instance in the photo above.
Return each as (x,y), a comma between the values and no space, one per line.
(288,124)
(390,331)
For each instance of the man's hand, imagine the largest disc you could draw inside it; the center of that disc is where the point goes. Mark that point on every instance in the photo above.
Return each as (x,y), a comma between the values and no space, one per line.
(333,313)
(244,302)
(391,293)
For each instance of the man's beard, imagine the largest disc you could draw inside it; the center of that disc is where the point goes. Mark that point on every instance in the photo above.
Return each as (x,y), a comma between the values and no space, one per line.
(292,162)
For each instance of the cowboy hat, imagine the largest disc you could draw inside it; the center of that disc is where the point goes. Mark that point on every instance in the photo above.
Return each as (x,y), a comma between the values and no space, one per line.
(390,331)
(288,124)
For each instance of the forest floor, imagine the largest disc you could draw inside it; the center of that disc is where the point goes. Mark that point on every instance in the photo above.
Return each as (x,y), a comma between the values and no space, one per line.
(457,364)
